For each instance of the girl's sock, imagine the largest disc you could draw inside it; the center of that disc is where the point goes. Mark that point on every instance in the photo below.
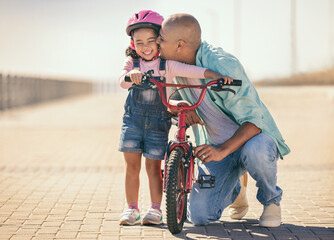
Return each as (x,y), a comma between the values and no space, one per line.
(133,206)
(156,206)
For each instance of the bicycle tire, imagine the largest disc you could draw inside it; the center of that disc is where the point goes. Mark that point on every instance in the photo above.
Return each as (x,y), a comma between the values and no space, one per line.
(176,196)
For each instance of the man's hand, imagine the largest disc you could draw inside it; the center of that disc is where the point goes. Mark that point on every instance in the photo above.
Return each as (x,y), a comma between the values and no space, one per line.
(191,115)
(192,118)
(207,153)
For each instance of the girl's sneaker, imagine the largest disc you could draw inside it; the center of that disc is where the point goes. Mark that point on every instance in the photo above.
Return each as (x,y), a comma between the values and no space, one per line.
(130,217)
(153,216)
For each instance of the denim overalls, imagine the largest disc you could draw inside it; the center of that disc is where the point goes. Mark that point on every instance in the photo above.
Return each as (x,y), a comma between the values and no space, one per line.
(146,122)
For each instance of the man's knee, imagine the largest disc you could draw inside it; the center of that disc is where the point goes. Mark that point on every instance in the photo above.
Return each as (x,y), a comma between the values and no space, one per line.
(197,215)
(258,149)
(198,208)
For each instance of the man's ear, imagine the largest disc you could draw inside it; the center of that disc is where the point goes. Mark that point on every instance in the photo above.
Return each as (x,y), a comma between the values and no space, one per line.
(180,44)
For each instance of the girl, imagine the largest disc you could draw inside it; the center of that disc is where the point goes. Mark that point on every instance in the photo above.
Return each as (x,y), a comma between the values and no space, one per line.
(145,122)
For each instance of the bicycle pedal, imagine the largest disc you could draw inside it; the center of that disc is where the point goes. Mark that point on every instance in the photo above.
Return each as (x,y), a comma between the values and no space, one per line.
(206,181)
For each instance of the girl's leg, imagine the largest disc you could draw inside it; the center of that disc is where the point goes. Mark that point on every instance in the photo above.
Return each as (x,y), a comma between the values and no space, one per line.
(153,169)
(131,216)
(154,214)
(132,166)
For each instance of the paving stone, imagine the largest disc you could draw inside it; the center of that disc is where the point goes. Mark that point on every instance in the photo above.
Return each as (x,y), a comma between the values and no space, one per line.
(67,182)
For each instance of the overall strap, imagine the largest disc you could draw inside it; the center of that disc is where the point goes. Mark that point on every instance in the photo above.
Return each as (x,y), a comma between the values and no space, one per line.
(136,64)
(162,72)
(162,68)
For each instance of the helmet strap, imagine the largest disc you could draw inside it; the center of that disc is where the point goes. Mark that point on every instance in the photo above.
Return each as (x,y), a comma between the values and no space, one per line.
(132,44)
(155,57)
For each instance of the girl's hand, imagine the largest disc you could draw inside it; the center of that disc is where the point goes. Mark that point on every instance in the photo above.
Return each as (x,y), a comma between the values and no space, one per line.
(135,76)
(227,80)
(214,75)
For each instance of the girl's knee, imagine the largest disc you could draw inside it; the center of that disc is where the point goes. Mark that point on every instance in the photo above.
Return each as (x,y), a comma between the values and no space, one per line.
(133,168)
(133,171)
(153,167)
(132,162)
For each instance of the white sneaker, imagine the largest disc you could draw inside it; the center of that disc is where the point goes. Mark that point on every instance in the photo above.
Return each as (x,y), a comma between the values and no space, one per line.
(153,216)
(239,207)
(271,216)
(130,217)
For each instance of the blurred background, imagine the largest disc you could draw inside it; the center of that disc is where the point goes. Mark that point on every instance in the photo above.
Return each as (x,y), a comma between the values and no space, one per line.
(85,40)
(61,174)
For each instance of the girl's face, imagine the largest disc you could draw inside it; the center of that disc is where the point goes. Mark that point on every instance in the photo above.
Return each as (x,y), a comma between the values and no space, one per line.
(144,40)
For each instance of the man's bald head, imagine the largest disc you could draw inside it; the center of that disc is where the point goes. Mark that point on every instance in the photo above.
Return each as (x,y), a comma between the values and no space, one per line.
(186,28)
(180,38)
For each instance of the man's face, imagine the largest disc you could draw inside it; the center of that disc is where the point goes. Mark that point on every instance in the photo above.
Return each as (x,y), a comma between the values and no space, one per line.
(168,44)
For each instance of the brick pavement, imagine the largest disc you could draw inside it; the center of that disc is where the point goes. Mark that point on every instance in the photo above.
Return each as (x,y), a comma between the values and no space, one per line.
(61,177)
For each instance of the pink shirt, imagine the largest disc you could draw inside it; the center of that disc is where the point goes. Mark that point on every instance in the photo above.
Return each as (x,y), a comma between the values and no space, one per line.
(173,69)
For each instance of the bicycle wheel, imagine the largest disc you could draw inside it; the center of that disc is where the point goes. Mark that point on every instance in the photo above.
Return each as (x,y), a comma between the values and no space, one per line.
(176,195)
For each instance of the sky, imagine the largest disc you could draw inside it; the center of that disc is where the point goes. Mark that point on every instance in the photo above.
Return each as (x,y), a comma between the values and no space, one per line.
(86,38)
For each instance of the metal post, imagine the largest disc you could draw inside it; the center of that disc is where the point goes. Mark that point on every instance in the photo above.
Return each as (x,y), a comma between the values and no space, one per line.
(331,31)
(293,38)
(237,28)
(1,94)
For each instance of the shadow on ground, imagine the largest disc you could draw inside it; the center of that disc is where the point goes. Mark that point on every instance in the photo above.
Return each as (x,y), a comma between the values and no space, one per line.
(249,229)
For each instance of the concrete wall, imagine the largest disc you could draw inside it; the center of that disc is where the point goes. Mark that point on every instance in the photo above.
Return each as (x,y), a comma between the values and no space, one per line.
(17,91)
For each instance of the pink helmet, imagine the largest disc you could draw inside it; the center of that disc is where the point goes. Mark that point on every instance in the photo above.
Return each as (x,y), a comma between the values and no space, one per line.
(144,19)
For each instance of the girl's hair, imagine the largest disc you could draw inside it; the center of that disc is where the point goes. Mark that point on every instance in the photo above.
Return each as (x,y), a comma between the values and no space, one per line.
(129,52)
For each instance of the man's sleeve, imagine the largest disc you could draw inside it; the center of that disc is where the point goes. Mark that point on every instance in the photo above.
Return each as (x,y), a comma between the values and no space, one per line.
(245,105)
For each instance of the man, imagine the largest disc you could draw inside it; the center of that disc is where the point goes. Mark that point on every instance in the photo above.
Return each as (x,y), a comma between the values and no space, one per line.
(234,133)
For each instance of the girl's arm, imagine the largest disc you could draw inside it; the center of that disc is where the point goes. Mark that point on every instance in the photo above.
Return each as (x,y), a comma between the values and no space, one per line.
(128,67)
(191,71)
(214,75)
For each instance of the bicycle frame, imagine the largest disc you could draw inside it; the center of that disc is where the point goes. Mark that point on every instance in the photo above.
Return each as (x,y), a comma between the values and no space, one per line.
(181,139)
(179,158)
(182,108)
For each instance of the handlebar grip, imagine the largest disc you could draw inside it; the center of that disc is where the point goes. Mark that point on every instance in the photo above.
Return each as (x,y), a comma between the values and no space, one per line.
(127,79)
(235,82)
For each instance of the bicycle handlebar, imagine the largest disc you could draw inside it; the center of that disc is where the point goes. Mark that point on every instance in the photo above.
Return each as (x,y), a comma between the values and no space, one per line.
(235,82)
(160,85)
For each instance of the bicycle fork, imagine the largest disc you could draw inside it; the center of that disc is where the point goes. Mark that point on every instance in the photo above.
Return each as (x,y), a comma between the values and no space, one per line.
(187,163)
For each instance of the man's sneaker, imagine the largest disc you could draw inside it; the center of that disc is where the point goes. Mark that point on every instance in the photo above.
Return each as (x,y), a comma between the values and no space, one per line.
(130,217)
(153,216)
(239,207)
(271,216)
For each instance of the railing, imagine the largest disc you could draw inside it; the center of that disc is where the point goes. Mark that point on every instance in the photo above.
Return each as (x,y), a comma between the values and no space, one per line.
(17,91)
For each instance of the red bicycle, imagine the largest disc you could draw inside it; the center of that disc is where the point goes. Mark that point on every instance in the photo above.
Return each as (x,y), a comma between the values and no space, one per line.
(179,159)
